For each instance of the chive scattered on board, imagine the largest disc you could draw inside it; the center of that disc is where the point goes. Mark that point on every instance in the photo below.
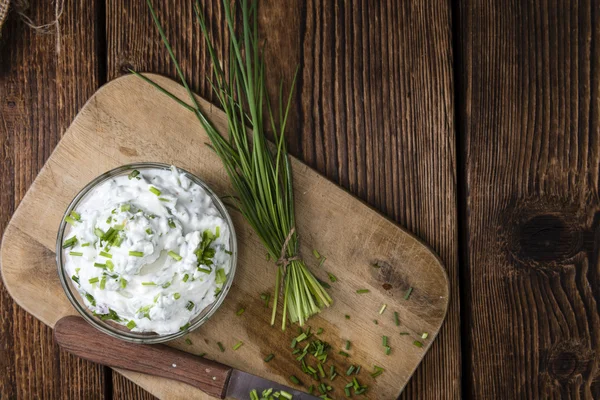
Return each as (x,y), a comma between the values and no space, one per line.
(332,277)
(319,331)
(295,380)
(382,309)
(343,353)
(348,344)
(347,316)
(316,254)
(237,345)
(188,341)
(361,291)
(424,335)
(417,343)
(376,322)
(269,357)
(221,347)
(396,318)
(408,293)
(322,262)
(384,340)
(240,312)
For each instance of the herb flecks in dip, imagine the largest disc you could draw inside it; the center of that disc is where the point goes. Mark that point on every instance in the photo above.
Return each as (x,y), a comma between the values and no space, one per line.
(148,250)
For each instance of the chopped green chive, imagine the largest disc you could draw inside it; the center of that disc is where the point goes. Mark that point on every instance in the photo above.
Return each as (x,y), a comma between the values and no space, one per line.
(85,244)
(294,342)
(221,347)
(109,220)
(382,309)
(388,350)
(285,395)
(99,265)
(377,371)
(396,318)
(361,291)
(70,242)
(254,395)
(176,296)
(90,298)
(94,280)
(148,284)
(347,316)
(301,337)
(269,357)
(408,293)
(295,380)
(237,345)
(188,341)
(174,255)
(348,344)
(103,283)
(110,265)
(149,231)
(319,331)
(105,254)
(316,254)
(376,322)
(75,253)
(265,297)
(350,370)
(417,343)
(332,277)
(166,285)
(171,223)
(190,305)
(136,253)
(186,277)
(164,199)
(70,220)
(75,279)
(424,335)
(240,312)
(322,262)
(123,282)
(133,174)
(384,340)
(205,270)
(131,324)
(220,276)
(75,215)
(347,391)
(126,207)
(155,190)
(183,328)
(99,232)
(321,372)
(343,353)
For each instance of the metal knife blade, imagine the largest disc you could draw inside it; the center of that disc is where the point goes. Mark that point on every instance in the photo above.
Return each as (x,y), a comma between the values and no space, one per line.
(241,383)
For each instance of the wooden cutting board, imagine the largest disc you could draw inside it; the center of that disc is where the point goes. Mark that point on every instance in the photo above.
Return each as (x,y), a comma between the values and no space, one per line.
(129,121)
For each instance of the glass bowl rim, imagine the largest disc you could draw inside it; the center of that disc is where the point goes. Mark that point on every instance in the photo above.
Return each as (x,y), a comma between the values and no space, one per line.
(132,336)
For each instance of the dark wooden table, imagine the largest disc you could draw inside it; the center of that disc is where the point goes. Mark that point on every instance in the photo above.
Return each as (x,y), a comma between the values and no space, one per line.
(475,124)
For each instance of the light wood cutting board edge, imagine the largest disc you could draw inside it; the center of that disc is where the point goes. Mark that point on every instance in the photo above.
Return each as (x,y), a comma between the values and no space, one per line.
(152,384)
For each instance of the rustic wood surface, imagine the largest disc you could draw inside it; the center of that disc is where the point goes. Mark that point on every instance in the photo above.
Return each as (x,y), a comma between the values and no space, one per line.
(126,121)
(529,92)
(375,113)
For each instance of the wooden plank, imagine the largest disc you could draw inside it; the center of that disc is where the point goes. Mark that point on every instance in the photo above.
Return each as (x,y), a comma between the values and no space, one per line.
(373,112)
(40,93)
(530,110)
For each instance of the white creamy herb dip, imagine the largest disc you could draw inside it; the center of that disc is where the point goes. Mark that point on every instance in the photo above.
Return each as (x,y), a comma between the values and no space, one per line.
(149,250)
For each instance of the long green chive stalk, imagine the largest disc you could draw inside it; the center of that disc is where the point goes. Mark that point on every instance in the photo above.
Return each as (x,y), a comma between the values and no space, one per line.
(260,173)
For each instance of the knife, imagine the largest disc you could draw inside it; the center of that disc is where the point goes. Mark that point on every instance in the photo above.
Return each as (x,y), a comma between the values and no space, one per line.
(78,337)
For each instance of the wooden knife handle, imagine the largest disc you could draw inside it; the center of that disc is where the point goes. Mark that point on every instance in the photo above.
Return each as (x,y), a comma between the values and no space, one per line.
(80,338)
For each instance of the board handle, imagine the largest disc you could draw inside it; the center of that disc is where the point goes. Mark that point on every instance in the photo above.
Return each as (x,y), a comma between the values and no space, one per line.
(78,337)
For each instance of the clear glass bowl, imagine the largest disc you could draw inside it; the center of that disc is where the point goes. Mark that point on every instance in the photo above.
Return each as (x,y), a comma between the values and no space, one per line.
(112,328)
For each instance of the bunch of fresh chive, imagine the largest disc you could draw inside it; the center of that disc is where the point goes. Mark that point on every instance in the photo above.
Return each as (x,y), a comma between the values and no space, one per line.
(260,173)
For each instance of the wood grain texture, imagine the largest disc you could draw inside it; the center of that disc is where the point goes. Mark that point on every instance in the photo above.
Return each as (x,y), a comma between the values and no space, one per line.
(530,106)
(373,112)
(125,389)
(128,121)
(40,93)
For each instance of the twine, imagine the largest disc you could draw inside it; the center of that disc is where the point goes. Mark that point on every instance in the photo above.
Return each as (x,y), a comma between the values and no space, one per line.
(283,260)
(21,6)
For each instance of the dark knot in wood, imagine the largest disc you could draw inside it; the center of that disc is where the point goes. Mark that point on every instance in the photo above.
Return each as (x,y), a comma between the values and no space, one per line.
(547,238)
